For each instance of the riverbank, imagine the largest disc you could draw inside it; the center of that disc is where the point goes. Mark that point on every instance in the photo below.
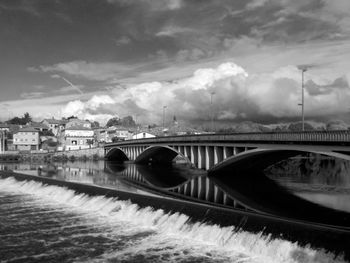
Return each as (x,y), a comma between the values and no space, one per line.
(91,154)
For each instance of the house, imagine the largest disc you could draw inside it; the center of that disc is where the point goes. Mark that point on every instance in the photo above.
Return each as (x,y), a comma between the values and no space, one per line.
(2,141)
(38,126)
(26,139)
(143,135)
(78,137)
(4,127)
(116,133)
(101,135)
(76,122)
(55,126)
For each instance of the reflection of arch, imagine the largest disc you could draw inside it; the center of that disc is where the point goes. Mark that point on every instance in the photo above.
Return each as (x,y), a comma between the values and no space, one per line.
(117,154)
(114,167)
(157,154)
(242,177)
(156,176)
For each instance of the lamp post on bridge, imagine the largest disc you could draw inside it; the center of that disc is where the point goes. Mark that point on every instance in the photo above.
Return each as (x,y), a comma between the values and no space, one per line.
(211,110)
(303,69)
(164,107)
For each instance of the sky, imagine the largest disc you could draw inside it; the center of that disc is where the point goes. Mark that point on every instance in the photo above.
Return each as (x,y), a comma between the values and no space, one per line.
(233,60)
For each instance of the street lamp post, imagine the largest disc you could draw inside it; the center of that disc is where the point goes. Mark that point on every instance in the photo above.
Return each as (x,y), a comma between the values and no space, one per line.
(164,107)
(302,104)
(211,110)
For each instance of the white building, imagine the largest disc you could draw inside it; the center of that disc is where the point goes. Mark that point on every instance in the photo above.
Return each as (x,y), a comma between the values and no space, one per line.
(26,139)
(142,135)
(2,141)
(78,137)
(56,126)
(77,122)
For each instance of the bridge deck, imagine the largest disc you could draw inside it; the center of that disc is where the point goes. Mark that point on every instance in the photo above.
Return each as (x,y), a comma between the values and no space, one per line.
(308,137)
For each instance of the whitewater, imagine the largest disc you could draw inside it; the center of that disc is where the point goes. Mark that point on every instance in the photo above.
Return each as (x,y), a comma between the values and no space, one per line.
(41,223)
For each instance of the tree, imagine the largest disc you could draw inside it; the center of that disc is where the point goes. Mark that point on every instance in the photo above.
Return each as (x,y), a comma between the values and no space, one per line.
(46,133)
(95,124)
(27,118)
(90,142)
(113,122)
(128,121)
(20,121)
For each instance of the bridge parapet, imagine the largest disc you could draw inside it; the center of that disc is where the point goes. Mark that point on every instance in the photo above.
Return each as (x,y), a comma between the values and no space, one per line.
(318,137)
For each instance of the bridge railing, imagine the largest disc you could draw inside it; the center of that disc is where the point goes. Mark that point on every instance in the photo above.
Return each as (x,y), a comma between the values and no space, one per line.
(342,136)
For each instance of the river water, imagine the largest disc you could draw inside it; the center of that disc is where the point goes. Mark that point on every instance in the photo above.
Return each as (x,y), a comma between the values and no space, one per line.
(40,223)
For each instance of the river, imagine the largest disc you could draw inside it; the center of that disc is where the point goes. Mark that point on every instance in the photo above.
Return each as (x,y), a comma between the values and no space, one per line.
(41,223)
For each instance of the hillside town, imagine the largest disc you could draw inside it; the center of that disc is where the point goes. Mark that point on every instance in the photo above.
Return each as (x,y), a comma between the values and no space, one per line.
(68,134)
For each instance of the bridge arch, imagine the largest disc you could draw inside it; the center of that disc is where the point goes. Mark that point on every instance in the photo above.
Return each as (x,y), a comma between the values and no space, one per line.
(116,154)
(243,178)
(160,154)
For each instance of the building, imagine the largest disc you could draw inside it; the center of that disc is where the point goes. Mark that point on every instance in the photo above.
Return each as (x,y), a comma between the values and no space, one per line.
(101,135)
(76,122)
(38,126)
(55,126)
(78,137)
(142,135)
(116,133)
(2,141)
(26,139)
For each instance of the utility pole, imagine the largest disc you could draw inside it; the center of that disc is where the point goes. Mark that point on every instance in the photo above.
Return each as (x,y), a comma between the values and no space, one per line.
(164,107)
(302,104)
(211,110)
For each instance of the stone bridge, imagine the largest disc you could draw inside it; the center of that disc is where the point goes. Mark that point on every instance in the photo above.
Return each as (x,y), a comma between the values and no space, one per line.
(209,150)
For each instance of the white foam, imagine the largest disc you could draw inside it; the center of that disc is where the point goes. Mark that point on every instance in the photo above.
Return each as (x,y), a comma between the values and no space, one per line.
(255,247)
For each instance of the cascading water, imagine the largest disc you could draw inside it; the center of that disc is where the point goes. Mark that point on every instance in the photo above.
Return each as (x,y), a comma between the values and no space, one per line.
(100,229)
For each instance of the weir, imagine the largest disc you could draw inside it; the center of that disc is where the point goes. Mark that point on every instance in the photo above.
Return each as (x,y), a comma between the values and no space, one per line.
(332,238)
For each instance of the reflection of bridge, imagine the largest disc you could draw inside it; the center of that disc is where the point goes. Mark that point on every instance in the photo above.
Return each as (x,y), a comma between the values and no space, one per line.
(199,187)
(205,151)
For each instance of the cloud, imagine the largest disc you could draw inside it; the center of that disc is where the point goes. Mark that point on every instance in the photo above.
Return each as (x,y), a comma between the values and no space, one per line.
(172,30)
(104,71)
(124,40)
(238,96)
(91,109)
(191,55)
(315,89)
(32,95)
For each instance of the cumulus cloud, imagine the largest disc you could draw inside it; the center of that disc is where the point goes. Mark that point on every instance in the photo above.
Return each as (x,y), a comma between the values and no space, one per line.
(91,109)
(235,95)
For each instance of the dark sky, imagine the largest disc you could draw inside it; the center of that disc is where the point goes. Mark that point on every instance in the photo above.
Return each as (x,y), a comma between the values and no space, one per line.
(98,58)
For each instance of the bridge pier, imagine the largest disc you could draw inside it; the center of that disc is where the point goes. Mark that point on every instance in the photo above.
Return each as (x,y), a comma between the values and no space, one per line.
(209,157)
(194,155)
(201,157)
(218,154)
(228,151)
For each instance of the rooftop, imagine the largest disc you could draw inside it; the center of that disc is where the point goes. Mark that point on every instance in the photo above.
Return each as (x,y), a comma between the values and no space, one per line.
(28,129)
(78,128)
(54,121)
